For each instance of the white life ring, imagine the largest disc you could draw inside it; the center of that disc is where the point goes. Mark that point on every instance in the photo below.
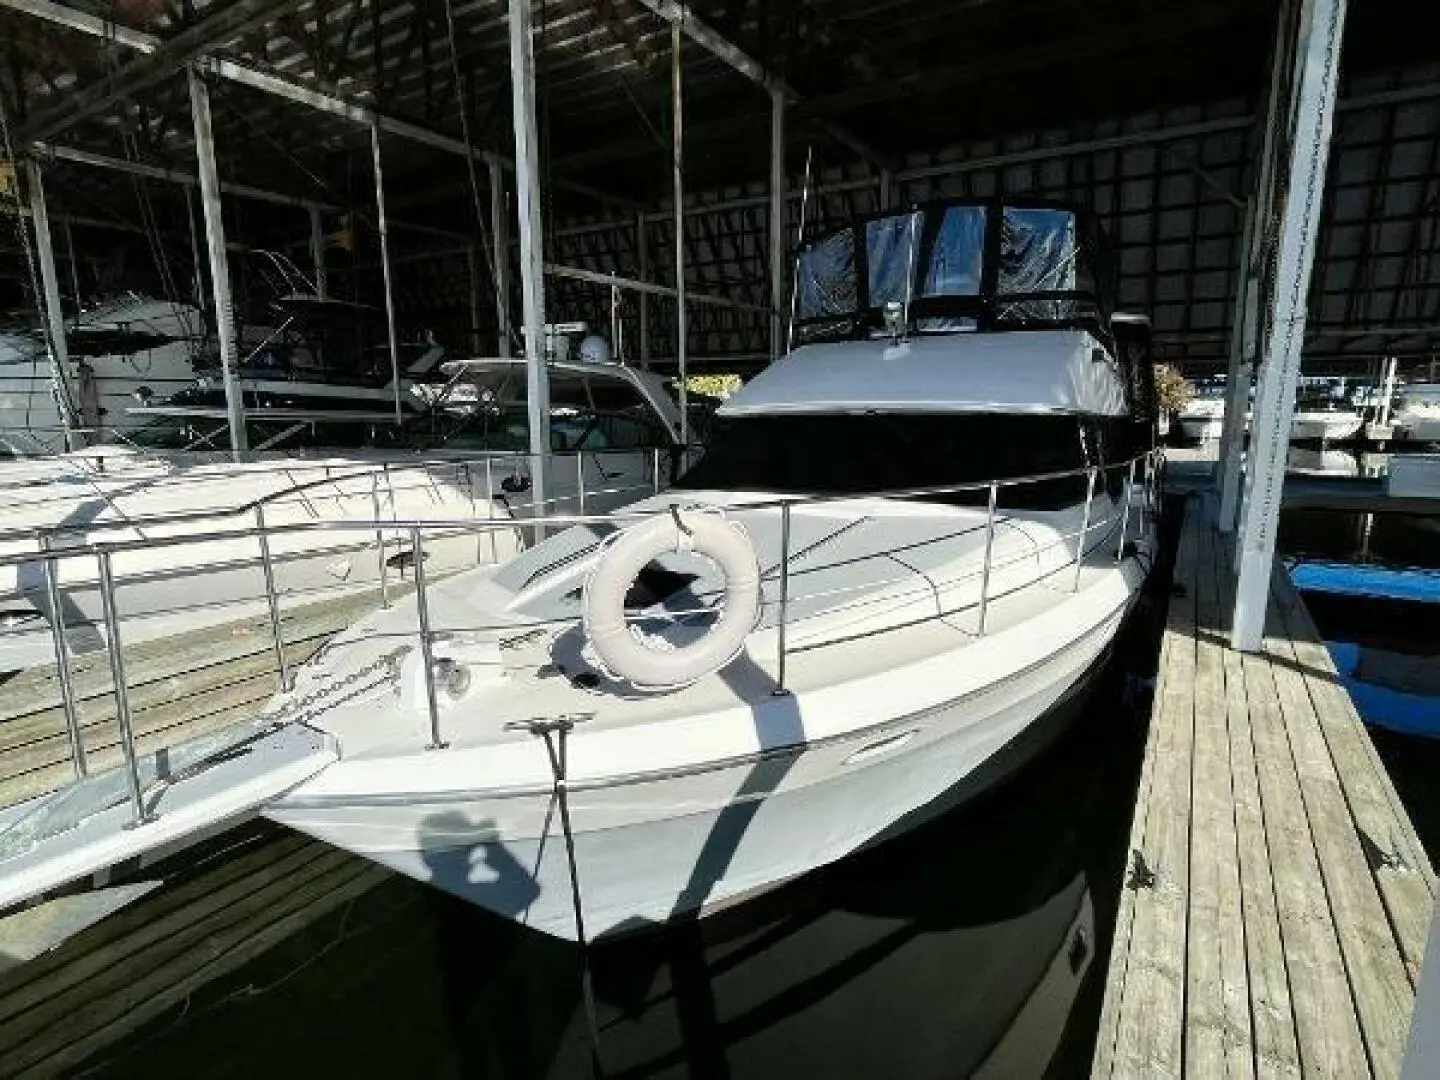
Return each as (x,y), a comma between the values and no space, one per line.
(622,652)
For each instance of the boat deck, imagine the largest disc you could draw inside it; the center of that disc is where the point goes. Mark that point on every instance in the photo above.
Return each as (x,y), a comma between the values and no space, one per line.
(1274,915)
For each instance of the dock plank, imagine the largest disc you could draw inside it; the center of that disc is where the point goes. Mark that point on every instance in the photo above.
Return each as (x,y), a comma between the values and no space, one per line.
(1149,1037)
(1276,1054)
(1217,1028)
(1292,945)
(1383,994)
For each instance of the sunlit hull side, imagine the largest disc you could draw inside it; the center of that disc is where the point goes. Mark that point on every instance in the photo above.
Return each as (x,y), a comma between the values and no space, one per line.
(1325,427)
(650,847)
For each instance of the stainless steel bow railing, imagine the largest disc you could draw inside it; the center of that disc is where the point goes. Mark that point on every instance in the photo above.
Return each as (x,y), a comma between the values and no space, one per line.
(104,552)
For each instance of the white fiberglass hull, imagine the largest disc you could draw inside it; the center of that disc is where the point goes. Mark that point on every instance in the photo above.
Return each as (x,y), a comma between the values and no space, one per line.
(654,844)
(1202,428)
(1325,426)
(30,421)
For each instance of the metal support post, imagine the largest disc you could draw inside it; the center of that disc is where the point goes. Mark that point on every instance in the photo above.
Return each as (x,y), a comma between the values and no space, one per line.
(532,247)
(989,550)
(784,600)
(219,264)
(1237,379)
(317,253)
(642,271)
(62,664)
(427,651)
(580,480)
(1387,390)
(500,253)
(54,312)
(777,222)
(1318,61)
(385,268)
(1084,528)
(677,147)
(272,599)
(122,692)
(472,267)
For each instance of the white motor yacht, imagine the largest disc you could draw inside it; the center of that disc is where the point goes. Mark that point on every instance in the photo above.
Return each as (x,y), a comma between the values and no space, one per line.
(614,437)
(1203,417)
(1417,413)
(907,545)
(129,345)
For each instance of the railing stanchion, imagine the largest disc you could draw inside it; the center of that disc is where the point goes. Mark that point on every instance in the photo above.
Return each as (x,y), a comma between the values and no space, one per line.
(1125,516)
(1084,527)
(780,688)
(427,653)
(580,479)
(655,470)
(993,501)
(122,692)
(272,598)
(380,567)
(62,664)
(490,507)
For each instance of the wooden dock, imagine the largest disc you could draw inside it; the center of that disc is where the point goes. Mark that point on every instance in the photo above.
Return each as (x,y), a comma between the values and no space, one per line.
(1276,905)
(180,688)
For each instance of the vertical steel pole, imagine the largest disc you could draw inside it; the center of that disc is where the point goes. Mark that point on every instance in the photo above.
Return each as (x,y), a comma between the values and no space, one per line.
(500,253)
(385,267)
(1318,59)
(380,567)
(122,692)
(1084,528)
(677,161)
(74,263)
(272,599)
(219,264)
(1237,384)
(532,244)
(427,652)
(62,664)
(642,271)
(989,550)
(784,599)
(580,479)
(317,253)
(54,313)
(777,220)
(472,267)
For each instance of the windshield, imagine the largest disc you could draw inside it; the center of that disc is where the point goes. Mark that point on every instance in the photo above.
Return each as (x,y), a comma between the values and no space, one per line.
(952,267)
(795,454)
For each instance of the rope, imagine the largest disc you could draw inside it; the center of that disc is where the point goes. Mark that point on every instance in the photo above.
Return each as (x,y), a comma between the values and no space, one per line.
(555,732)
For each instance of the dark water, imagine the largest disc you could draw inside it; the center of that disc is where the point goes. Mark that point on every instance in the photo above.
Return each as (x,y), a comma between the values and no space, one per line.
(1373,588)
(976,943)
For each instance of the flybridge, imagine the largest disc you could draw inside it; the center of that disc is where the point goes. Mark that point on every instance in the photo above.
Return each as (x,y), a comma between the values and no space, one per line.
(953,267)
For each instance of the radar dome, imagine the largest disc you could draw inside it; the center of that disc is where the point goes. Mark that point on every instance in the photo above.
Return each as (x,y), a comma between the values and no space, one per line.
(595,350)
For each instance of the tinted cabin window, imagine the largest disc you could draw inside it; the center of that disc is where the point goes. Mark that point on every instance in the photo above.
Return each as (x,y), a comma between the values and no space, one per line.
(834,454)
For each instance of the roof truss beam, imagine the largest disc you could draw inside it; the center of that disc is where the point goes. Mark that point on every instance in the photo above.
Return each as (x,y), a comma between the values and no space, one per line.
(284,87)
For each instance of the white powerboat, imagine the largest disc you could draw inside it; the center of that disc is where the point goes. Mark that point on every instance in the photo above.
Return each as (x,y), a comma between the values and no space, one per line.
(309,465)
(1417,414)
(129,345)
(1324,420)
(785,658)
(1203,418)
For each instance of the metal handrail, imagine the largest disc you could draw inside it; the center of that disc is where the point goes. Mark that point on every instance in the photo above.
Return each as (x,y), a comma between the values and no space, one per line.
(104,551)
(553,520)
(270,498)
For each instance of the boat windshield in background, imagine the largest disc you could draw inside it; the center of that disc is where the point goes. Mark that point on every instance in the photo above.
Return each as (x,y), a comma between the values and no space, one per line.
(955,267)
